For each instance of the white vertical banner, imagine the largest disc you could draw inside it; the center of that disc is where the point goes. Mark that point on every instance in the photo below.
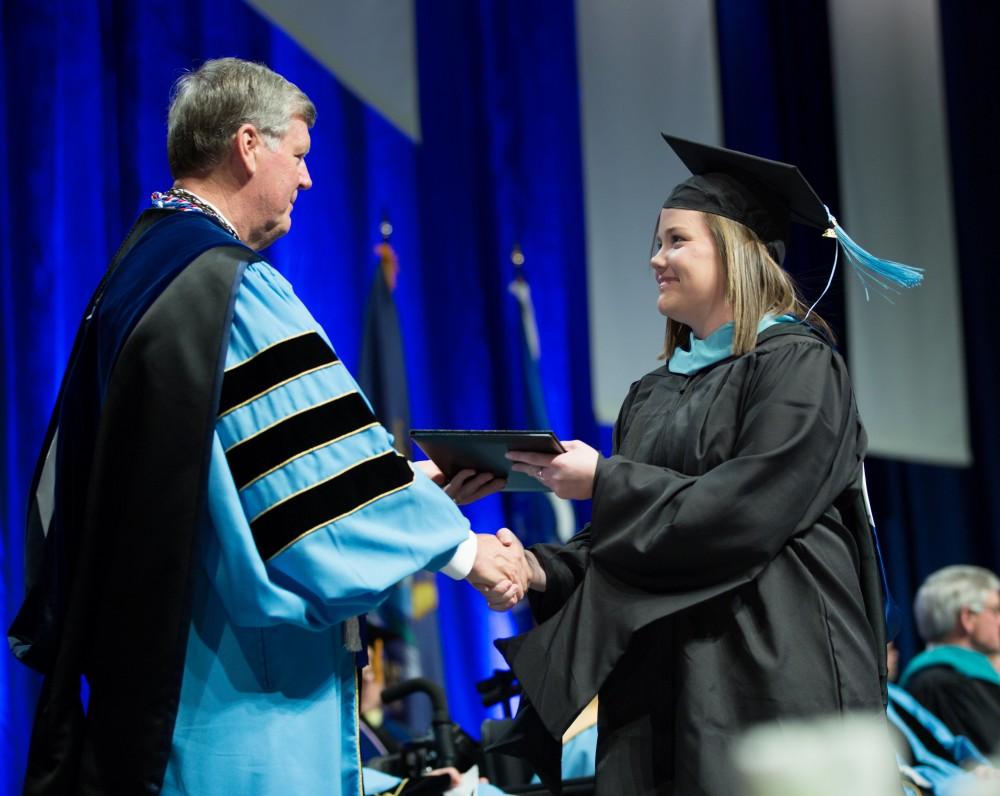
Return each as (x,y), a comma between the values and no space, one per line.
(371,48)
(644,66)
(907,360)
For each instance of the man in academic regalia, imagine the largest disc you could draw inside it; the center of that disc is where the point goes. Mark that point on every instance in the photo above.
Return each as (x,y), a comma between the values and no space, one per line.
(958,615)
(216,504)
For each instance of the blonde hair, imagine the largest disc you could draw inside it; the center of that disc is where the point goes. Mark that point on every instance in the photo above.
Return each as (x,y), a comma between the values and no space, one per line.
(755,286)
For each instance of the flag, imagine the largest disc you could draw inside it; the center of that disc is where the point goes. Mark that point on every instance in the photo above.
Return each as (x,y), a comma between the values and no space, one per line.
(382,371)
(409,612)
(535,516)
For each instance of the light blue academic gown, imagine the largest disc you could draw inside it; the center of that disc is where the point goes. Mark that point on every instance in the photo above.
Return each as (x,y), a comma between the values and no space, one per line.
(947,777)
(269,697)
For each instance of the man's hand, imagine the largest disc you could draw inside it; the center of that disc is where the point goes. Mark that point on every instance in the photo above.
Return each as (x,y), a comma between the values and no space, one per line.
(497,598)
(501,571)
(467,486)
(570,475)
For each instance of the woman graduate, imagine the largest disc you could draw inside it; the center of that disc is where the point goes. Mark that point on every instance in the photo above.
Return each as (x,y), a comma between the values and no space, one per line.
(729,575)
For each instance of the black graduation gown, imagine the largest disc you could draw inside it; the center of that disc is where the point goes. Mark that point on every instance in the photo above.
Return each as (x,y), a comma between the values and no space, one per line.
(967,705)
(728,576)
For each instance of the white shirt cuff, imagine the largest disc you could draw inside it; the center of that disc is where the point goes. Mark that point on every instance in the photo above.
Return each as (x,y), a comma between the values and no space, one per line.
(461,562)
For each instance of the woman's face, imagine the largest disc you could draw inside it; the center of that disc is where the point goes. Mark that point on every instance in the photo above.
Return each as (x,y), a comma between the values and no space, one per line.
(688,272)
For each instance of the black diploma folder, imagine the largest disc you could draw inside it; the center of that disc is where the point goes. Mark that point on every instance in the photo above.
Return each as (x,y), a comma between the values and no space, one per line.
(483,451)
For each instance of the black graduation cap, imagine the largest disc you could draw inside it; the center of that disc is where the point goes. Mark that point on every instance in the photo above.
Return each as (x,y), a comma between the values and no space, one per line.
(766,196)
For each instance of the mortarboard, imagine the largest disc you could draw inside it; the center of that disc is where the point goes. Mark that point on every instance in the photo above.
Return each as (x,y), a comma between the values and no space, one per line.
(767,196)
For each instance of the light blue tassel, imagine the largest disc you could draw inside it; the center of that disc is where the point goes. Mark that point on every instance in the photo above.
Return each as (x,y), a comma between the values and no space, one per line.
(876,268)
(886,274)
(868,266)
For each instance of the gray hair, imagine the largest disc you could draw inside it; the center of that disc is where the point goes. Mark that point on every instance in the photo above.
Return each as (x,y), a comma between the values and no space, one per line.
(208,105)
(944,593)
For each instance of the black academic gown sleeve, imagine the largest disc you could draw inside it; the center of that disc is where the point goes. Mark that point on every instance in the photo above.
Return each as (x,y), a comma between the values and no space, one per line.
(564,567)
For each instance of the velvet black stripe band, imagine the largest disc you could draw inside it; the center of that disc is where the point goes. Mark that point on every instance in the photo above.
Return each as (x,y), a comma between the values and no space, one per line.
(293,518)
(297,435)
(272,367)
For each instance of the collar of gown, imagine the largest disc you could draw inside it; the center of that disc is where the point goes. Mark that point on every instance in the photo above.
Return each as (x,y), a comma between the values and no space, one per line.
(714,348)
(962,660)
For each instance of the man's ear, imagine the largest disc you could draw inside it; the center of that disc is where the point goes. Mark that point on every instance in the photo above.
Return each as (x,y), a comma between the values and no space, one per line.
(246,145)
(966,620)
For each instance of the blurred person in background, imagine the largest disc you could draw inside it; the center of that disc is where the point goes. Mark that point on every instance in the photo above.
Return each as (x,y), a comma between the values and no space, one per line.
(957,612)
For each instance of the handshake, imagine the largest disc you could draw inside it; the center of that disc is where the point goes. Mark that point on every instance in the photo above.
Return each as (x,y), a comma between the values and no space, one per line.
(504,571)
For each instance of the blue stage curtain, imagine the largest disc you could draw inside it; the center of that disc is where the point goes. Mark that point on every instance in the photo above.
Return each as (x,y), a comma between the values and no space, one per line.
(501,146)
(83,93)
(778,102)
(973,121)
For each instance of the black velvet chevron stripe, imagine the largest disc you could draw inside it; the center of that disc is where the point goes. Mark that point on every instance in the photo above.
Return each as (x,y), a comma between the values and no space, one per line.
(288,521)
(296,435)
(272,367)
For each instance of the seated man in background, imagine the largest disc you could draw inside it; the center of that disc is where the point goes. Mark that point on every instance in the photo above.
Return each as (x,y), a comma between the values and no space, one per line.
(958,616)
(932,759)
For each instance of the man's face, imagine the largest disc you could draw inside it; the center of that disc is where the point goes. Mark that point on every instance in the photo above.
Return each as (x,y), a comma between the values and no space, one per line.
(281,173)
(984,625)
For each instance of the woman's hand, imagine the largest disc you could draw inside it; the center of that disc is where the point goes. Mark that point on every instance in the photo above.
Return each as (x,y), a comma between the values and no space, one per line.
(467,486)
(570,475)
